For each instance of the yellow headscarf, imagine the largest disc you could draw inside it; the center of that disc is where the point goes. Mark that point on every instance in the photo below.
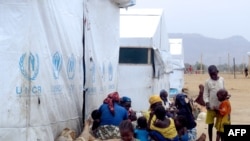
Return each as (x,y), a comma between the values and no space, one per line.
(154,99)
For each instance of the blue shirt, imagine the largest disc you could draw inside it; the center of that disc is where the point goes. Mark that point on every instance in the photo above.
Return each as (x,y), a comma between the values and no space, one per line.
(141,134)
(108,119)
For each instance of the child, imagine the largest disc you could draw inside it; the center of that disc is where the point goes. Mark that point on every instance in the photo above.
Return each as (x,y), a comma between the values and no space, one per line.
(211,87)
(164,97)
(141,131)
(181,127)
(223,113)
(163,128)
(168,105)
(96,115)
(126,131)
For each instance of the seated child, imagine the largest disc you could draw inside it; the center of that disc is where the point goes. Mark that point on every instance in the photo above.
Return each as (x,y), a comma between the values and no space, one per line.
(141,131)
(181,127)
(163,128)
(96,115)
(127,131)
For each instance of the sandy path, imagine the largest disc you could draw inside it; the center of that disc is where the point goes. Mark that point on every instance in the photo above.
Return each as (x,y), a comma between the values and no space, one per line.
(237,85)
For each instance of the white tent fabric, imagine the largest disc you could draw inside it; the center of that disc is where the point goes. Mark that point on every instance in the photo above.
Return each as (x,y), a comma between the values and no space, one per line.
(102,51)
(177,76)
(139,23)
(41,68)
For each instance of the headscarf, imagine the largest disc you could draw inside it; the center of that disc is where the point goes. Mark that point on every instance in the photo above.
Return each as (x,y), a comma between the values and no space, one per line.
(154,99)
(111,98)
(125,99)
(180,100)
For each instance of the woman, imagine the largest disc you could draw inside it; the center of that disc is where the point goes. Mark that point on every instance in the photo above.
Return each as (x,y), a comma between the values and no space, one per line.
(112,114)
(126,103)
(184,108)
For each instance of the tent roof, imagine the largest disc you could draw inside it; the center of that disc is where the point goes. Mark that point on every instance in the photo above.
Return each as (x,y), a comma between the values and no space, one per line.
(140,23)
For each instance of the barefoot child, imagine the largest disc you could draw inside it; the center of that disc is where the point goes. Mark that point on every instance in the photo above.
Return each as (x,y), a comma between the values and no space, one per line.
(212,85)
(223,113)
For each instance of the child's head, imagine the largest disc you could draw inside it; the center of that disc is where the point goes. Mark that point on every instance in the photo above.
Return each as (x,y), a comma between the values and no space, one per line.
(96,114)
(180,122)
(126,130)
(164,95)
(160,112)
(213,72)
(142,122)
(222,95)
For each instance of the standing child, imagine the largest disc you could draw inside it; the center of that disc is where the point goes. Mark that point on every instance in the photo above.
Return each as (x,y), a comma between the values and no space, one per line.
(246,71)
(223,113)
(211,87)
(141,131)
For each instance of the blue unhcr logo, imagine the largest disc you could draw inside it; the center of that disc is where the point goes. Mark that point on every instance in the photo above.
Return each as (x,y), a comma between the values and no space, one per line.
(71,67)
(110,72)
(29,66)
(57,64)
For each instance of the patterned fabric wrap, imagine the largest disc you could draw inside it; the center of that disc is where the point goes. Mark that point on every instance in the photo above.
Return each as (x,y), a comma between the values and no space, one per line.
(107,132)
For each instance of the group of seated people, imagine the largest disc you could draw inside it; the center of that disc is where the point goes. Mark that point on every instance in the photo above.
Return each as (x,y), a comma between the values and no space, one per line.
(164,121)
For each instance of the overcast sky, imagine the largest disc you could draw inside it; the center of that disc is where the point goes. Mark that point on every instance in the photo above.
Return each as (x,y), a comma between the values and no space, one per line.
(212,18)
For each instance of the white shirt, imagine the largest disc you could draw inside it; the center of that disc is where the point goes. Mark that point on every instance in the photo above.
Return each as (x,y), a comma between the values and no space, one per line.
(210,91)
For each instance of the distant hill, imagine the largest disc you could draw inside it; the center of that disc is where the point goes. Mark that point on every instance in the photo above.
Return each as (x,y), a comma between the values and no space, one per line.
(213,51)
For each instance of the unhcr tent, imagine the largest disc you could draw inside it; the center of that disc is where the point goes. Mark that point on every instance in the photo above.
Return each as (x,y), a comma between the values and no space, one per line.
(177,76)
(41,68)
(102,51)
(43,63)
(144,57)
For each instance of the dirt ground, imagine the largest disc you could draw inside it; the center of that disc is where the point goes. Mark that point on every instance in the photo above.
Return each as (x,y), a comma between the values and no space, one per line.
(239,88)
